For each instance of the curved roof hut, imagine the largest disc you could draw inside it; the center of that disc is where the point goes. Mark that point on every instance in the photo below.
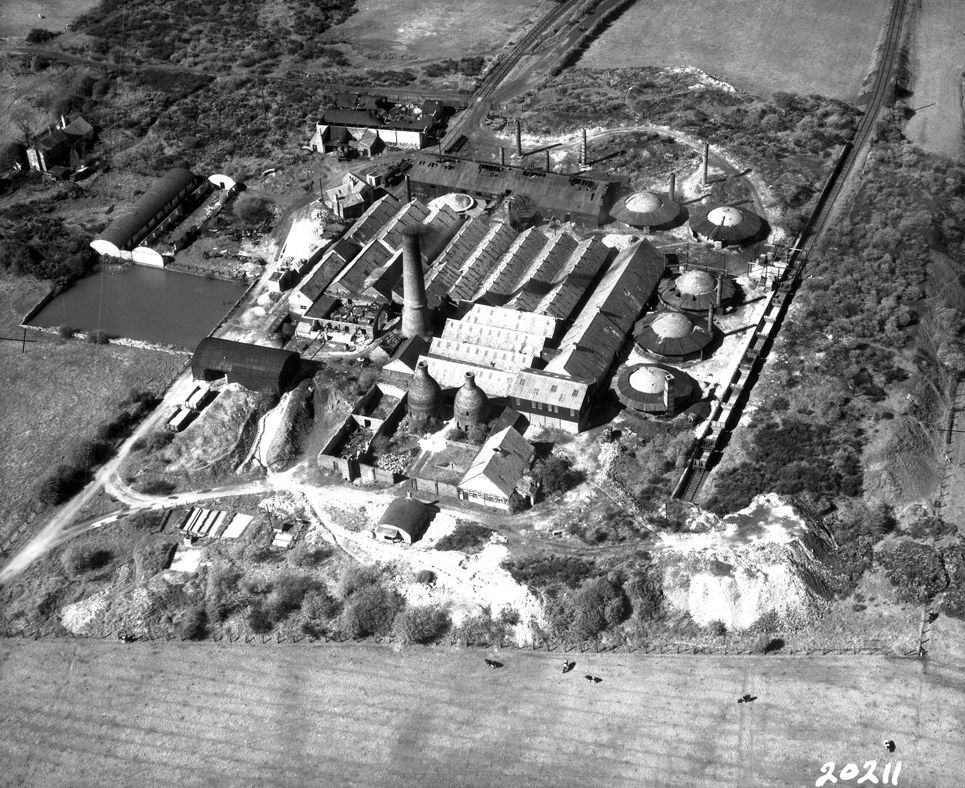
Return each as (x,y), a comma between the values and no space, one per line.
(697,291)
(255,367)
(470,403)
(149,211)
(654,388)
(674,335)
(424,396)
(726,225)
(406,520)
(647,210)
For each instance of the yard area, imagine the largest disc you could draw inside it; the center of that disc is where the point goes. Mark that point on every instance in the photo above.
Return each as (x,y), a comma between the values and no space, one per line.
(57,394)
(801,46)
(85,711)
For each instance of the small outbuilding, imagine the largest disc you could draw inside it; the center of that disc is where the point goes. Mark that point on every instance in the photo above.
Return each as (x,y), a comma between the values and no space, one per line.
(697,291)
(727,225)
(673,335)
(255,367)
(406,520)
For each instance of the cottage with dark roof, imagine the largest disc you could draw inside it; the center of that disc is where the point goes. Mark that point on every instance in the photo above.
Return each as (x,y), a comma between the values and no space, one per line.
(496,471)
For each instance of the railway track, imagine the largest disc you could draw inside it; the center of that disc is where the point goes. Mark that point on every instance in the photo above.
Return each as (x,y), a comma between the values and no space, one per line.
(704,459)
(491,82)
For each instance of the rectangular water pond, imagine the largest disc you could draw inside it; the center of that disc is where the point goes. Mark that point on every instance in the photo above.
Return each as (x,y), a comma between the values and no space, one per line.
(149,304)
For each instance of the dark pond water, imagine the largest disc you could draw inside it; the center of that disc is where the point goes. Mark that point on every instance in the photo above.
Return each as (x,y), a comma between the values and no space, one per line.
(150,304)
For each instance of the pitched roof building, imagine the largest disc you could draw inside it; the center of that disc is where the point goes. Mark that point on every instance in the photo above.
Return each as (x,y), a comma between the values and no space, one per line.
(498,467)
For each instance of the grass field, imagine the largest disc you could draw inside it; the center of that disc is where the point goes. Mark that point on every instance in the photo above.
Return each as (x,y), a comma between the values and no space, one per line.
(57,394)
(938,60)
(802,46)
(84,712)
(401,31)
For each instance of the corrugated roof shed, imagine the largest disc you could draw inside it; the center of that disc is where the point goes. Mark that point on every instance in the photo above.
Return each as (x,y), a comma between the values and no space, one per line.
(333,261)
(580,196)
(598,333)
(550,389)
(505,277)
(502,460)
(483,259)
(494,336)
(480,355)
(127,229)
(255,367)
(367,226)
(447,266)
(408,516)
(451,373)
(535,281)
(351,281)
(574,280)
(540,325)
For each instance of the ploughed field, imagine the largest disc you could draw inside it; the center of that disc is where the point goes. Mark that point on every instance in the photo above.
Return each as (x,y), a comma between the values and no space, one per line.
(86,711)
(801,46)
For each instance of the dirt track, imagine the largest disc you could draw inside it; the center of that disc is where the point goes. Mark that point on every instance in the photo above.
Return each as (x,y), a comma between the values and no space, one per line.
(85,712)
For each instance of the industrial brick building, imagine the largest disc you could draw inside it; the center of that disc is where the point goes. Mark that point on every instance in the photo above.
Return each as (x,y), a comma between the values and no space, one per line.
(579,198)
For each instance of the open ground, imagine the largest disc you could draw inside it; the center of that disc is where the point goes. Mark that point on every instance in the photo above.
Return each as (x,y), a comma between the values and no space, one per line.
(938,58)
(56,394)
(804,46)
(403,32)
(18,17)
(85,711)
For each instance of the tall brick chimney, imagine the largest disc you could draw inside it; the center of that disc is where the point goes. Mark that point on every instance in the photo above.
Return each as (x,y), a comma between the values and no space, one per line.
(415,310)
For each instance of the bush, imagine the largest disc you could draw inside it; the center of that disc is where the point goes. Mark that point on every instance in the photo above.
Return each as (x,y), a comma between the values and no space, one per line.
(79,559)
(600,604)
(320,607)
(482,629)
(259,619)
(356,577)
(39,35)
(915,570)
(371,611)
(64,331)
(556,475)
(194,624)
(222,596)
(426,577)
(422,624)
(544,571)
(64,482)
(466,537)
(157,487)
(287,593)
(310,556)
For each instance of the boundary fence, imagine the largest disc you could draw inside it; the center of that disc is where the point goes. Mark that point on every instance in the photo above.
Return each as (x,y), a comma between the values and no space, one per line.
(627,645)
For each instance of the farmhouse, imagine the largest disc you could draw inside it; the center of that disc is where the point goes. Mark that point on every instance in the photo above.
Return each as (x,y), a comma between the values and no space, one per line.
(168,200)
(369,125)
(64,145)
(405,520)
(496,471)
(255,367)
(578,198)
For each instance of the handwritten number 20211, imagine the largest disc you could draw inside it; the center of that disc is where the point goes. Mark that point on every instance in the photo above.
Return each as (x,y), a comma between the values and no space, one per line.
(851,770)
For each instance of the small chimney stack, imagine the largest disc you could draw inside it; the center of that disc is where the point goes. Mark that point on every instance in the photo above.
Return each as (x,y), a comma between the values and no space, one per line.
(672,185)
(583,157)
(703,181)
(548,166)
(502,156)
(415,309)
(710,319)
(720,290)
(668,394)
(408,189)
(519,139)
